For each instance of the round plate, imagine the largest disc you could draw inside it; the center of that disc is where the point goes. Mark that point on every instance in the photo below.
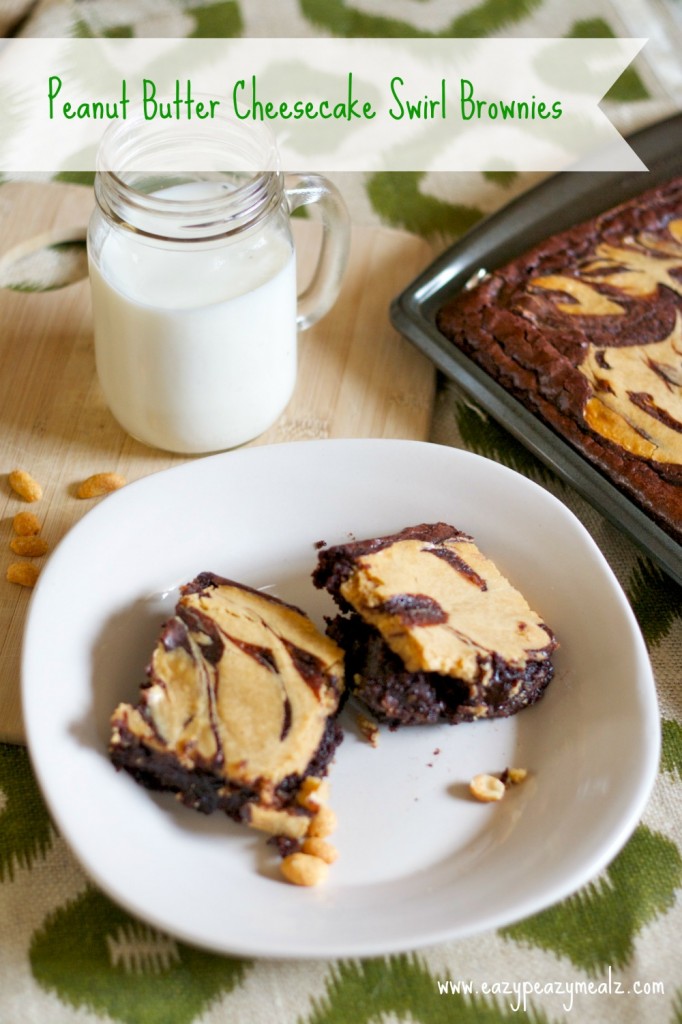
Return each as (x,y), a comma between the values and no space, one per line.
(419,859)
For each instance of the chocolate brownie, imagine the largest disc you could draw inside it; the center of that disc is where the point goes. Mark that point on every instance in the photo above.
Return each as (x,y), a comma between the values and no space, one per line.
(239,707)
(586,330)
(433,631)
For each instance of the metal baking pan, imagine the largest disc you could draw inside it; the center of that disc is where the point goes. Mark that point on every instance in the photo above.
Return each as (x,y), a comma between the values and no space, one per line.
(557,203)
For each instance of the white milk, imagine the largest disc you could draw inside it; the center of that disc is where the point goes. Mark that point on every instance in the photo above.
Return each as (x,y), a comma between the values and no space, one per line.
(195,349)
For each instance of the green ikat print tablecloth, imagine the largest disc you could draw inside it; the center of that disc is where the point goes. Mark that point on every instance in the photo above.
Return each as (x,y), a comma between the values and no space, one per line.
(610,954)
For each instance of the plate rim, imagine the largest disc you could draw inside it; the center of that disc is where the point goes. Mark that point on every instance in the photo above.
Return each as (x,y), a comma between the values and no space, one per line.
(490,919)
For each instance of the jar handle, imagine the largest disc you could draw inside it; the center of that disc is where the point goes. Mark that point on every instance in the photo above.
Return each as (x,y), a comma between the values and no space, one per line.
(320,295)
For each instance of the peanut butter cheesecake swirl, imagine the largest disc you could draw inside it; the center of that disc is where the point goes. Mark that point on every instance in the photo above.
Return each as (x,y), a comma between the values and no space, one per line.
(435,631)
(586,330)
(239,708)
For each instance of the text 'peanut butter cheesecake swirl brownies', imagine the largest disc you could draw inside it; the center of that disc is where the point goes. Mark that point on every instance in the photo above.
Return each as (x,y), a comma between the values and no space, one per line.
(434,632)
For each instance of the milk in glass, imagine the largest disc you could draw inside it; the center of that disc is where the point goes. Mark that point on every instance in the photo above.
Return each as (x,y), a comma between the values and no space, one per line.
(193,279)
(196,349)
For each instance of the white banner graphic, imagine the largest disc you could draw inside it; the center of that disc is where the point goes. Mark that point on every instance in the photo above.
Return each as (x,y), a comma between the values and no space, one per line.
(332,104)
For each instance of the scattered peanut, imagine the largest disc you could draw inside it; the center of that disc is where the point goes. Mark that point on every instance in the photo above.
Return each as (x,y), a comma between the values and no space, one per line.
(514,776)
(26,524)
(369,729)
(486,788)
(23,573)
(322,824)
(302,869)
(313,793)
(100,484)
(31,547)
(320,848)
(23,484)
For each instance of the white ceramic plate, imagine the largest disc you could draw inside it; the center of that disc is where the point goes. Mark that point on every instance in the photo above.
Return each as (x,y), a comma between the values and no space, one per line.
(420,861)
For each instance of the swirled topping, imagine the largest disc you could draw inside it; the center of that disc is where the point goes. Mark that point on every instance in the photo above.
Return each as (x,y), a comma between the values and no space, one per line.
(438,602)
(240,684)
(636,399)
(637,396)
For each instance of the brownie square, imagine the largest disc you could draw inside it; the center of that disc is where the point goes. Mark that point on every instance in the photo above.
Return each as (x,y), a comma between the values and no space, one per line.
(239,707)
(433,631)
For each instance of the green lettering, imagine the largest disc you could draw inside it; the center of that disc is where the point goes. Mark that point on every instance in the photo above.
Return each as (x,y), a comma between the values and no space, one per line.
(466,103)
(148,101)
(397,80)
(414,109)
(258,111)
(124,99)
(52,93)
(238,86)
(352,103)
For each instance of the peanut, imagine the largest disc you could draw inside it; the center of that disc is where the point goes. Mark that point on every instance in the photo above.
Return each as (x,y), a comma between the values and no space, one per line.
(322,824)
(486,788)
(31,547)
(369,729)
(23,484)
(99,484)
(514,776)
(26,524)
(313,793)
(320,848)
(302,869)
(23,573)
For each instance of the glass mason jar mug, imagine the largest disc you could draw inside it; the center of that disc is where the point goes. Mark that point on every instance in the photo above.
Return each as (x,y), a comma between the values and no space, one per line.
(193,280)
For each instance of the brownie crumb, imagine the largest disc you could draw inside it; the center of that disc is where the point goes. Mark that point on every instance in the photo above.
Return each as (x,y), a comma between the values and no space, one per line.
(369,729)
(284,845)
(513,776)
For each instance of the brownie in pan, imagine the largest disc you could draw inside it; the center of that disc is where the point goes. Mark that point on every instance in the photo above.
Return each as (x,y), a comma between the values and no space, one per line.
(586,331)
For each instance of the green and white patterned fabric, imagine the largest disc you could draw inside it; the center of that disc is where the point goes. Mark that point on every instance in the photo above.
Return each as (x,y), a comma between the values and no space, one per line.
(68,954)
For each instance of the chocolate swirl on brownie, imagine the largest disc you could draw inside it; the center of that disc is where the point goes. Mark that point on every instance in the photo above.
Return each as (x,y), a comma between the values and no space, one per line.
(586,331)
(432,638)
(238,709)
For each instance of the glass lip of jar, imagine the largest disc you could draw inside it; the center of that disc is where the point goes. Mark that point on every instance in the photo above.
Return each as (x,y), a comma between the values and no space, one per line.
(196,219)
